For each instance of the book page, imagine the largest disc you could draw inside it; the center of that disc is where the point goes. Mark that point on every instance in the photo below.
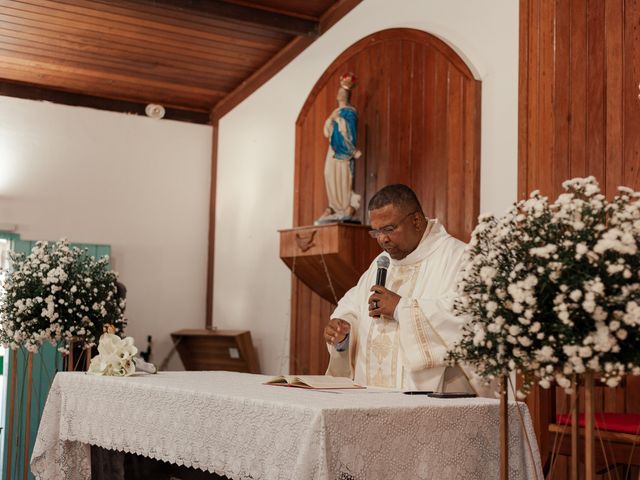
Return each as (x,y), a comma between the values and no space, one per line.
(280,380)
(312,381)
(326,381)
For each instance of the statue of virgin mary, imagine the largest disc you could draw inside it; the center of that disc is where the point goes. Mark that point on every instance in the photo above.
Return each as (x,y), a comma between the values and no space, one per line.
(339,170)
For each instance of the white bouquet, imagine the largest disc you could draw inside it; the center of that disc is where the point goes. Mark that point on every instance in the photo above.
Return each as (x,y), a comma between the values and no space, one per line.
(550,290)
(59,294)
(115,356)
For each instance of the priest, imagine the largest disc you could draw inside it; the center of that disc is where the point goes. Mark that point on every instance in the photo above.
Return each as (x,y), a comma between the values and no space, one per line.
(397,335)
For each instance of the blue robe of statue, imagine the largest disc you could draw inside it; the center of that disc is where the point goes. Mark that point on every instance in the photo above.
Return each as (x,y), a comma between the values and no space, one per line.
(344,146)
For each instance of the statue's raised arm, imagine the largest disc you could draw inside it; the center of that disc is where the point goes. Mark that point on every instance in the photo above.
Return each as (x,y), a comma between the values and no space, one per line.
(339,171)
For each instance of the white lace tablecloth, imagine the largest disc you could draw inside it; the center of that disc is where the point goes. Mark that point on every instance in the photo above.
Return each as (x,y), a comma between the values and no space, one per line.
(230,424)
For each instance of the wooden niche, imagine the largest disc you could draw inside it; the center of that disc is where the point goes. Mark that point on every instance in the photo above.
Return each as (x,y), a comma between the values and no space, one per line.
(418,123)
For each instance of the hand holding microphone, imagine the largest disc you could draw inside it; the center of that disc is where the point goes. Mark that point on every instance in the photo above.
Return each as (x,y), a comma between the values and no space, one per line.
(382,301)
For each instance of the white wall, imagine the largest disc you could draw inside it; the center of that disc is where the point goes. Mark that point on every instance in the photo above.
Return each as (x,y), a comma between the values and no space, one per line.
(256,152)
(137,184)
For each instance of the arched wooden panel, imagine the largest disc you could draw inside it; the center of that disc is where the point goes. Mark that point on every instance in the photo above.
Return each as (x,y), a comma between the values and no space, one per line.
(418,123)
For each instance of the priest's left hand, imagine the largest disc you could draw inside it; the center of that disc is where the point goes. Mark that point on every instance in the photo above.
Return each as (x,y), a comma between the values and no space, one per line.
(382,302)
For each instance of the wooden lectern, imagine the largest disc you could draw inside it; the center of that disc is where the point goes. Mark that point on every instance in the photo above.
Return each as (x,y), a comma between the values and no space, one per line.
(203,349)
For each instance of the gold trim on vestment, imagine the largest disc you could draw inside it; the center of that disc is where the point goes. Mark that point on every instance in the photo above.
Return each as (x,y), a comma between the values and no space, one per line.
(421,334)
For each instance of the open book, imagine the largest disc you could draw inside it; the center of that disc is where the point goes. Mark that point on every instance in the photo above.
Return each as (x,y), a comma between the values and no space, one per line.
(312,381)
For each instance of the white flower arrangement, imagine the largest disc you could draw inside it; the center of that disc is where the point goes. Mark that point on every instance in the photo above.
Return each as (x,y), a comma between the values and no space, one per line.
(550,290)
(58,294)
(115,356)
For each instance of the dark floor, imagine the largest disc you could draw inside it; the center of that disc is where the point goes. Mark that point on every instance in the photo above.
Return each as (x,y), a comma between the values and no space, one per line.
(112,465)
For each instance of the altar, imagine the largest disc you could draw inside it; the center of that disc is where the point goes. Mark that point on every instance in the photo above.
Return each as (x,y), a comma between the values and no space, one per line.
(231,424)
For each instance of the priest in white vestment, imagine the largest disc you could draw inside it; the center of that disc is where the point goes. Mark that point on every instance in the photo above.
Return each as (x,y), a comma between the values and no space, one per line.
(397,336)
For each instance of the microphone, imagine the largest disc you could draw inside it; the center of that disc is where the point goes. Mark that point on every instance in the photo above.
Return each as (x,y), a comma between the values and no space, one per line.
(381,276)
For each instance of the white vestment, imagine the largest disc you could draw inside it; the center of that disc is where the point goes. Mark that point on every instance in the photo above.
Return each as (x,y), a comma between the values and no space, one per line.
(407,351)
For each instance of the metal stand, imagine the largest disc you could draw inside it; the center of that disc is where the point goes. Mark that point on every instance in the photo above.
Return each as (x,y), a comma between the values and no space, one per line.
(504,428)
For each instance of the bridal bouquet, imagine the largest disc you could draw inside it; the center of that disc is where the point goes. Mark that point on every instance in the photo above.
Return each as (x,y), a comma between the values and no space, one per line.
(553,289)
(58,294)
(115,356)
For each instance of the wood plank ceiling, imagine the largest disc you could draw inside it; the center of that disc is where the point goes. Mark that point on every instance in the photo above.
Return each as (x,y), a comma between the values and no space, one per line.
(197,58)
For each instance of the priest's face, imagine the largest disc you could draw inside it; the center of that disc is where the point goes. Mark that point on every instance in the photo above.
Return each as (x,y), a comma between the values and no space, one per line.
(398,232)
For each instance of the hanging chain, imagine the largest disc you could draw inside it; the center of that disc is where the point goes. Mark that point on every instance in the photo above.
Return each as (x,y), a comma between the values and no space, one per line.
(326,272)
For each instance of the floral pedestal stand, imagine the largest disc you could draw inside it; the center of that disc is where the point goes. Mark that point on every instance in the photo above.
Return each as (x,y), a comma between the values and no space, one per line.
(504,428)
(589,424)
(574,427)
(71,363)
(589,428)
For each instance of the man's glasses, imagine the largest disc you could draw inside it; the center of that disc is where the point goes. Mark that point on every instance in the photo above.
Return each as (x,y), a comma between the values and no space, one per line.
(389,229)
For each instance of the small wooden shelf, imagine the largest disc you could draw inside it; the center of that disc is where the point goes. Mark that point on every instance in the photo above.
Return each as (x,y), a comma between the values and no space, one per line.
(203,349)
(340,250)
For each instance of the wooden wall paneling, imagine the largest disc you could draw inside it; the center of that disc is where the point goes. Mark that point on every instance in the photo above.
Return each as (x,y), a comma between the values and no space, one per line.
(561,160)
(473,102)
(377,130)
(632,394)
(595,90)
(614,31)
(579,114)
(614,400)
(524,65)
(528,91)
(422,169)
(578,89)
(320,149)
(403,114)
(546,74)
(394,63)
(631,99)
(438,173)
(418,119)
(419,122)
(362,98)
(455,166)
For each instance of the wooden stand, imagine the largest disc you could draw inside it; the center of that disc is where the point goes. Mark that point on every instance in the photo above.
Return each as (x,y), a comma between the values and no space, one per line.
(330,258)
(574,428)
(504,428)
(589,424)
(230,350)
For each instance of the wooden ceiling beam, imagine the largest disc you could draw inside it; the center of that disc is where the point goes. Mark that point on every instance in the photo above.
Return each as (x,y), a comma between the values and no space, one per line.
(281,59)
(266,19)
(32,92)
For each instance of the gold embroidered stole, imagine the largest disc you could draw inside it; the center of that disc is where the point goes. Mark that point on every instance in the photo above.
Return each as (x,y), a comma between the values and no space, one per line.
(383,339)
